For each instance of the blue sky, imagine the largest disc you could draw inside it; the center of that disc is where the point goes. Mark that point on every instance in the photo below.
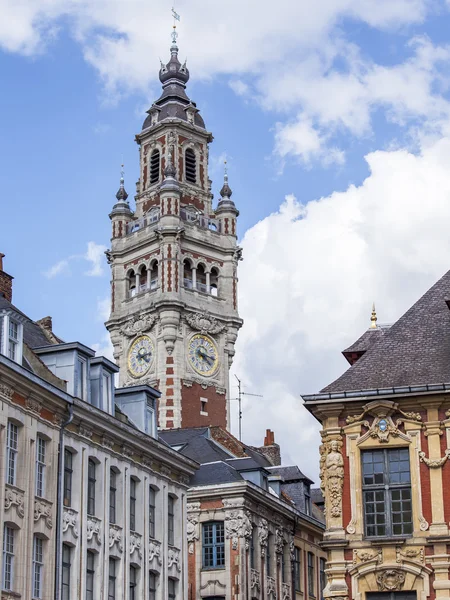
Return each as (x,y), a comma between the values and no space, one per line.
(341,107)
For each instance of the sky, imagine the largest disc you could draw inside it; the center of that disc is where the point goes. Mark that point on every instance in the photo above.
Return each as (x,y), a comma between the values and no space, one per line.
(334,118)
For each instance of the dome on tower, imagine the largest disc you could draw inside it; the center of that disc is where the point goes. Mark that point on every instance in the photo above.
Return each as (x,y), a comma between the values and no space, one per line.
(174,69)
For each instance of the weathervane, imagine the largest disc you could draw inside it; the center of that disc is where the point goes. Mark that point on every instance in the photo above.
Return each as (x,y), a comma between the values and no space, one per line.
(176,17)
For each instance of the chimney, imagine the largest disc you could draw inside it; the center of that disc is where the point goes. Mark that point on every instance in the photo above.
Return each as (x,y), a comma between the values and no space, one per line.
(5,281)
(46,323)
(271,450)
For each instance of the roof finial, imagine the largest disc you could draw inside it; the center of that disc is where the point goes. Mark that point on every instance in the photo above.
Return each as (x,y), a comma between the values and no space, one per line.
(176,17)
(225,192)
(122,194)
(373,318)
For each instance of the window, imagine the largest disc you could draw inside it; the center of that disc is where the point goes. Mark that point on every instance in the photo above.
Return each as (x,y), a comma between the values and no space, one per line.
(311,585)
(66,572)
(11,452)
(322,576)
(307,500)
(68,463)
(213,545)
(152,586)
(133,504)
(170,521)
(90,574)
(297,569)
(203,406)
(8,558)
(154,166)
(387,492)
(40,466)
(151,512)
(171,589)
(253,546)
(190,165)
(133,583)
(112,580)
(13,341)
(38,567)
(112,496)
(106,392)
(91,487)
(269,555)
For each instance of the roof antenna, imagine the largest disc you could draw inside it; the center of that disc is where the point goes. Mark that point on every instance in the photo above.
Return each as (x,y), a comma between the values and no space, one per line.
(239,399)
(373,318)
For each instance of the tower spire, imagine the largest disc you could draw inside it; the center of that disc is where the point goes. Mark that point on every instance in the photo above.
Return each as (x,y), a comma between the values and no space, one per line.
(226,192)
(122,194)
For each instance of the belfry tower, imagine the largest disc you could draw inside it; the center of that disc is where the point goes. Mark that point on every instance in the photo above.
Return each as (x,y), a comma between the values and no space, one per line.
(174,318)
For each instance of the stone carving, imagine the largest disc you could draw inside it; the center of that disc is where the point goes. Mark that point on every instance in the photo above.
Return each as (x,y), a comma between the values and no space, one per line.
(390,580)
(33,405)
(191,506)
(292,549)
(154,551)
(424,525)
(204,384)
(173,559)
(204,322)
(367,555)
(6,391)
(279,541)
(166,471)
(414,553)
(285,591)
(115,536)
(70,521)
(238,525)
(94,529)
(332,475)
(382,425)
(135,543)
(183,479)
(43,509)
(137,325)
(270,587)
(434,463)
(58,419)
(127,451)
(255,580)
(383,409)
(85,431)
(192,531)
(14,497)
(263,534)
(108,442)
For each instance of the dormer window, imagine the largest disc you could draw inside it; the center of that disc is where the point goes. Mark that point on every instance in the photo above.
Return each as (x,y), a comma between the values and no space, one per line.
(11,333)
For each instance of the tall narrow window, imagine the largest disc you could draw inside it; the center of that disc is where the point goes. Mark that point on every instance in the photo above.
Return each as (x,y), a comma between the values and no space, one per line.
(91,487)
(112,496)
(190,163)
(38,567)
(66,568)
(40,467)
(213,545)
(13,342)
(112,580)
(90,575)
(68,471)
(154,166)
(297,569)
(152,586)
(311,586)
(322,576)
(171,589)
(170,521)
(269,555)
(387,492)
(8,558)
(133,583)
(151,512)
(11,453)
(133,504)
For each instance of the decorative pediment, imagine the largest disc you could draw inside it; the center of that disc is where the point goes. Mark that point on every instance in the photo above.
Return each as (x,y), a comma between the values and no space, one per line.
(382,425)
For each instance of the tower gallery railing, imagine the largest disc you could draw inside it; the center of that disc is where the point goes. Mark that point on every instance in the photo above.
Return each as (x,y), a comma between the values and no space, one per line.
(151,220)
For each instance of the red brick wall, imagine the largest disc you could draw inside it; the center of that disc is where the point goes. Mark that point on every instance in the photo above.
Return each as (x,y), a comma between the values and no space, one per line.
(346,502)
(190,407)
(6,285)
(425,482)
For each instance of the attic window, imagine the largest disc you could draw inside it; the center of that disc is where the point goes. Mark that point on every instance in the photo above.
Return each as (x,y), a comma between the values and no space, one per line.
(11,333)
(154,166)
(190,165)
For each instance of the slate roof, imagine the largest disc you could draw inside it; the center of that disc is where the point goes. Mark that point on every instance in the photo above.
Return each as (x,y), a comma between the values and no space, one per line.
(413,351)
(367,339)
(197,444)
(290,474)
(317,496)
(33,336)
(215,473)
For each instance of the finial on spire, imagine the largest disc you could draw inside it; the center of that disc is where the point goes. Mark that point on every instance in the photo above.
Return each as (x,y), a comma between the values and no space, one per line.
(373,318)
(176,17)
(122,194)
(225,192)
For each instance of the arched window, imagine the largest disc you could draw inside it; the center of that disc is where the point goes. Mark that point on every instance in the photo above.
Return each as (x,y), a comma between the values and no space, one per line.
(201,279)
(131,284)
(187,274)
(143,279)
(154,166)
(190,163)
(154,275)
(214,282)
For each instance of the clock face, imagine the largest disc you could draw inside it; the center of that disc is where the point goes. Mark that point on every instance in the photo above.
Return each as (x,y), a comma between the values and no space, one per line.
(140,356)
(203,355)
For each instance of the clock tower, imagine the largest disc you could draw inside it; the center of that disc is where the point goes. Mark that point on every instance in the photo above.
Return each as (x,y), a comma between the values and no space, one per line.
(174,316)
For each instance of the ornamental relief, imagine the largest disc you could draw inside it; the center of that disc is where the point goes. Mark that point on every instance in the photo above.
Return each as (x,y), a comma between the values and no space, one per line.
(204,384)
(15,497)
(174,559)
(115,536)
(366,555)
(332,474)
(192,531)
(390,580)
(434,463)
(137,325)
(263,534)
(70,521)
(204,322)
(6,391)
(238,525)
(94,530)
(135,544)
(414,554)
(154,551)
(43,509)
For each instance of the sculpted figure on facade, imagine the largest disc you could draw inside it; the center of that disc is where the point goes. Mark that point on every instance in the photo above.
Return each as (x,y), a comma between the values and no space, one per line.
(192,531)
(238,525)
(332,476)
(263,534)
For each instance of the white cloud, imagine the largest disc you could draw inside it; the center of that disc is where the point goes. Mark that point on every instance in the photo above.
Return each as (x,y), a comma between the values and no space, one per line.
(104,347)
(57,269)
(96,256)
(104,307)
(309,277)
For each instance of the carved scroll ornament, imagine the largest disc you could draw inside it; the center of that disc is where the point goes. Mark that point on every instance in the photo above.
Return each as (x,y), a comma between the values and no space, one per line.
(204,322)
(434,463)
(390,580)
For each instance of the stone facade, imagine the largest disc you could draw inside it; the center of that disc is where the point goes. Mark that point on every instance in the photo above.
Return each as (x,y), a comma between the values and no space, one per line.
(174,267)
